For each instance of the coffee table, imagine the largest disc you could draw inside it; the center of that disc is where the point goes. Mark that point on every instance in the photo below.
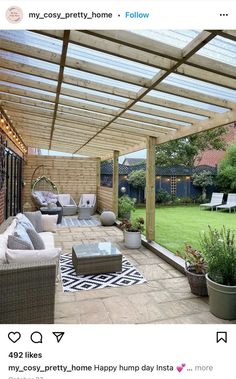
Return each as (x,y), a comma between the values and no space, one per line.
(53,211)
(96,258)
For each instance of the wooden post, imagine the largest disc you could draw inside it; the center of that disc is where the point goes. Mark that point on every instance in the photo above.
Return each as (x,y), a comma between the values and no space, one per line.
(115,181)
(150,189)
(98,180)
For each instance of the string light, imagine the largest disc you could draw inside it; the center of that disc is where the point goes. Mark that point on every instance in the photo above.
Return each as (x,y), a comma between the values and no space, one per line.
(10,131)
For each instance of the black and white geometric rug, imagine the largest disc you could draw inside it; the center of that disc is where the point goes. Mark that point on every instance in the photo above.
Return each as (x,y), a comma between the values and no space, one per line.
(71,282)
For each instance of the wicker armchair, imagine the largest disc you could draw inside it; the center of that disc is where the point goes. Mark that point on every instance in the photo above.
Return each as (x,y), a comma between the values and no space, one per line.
(27,293)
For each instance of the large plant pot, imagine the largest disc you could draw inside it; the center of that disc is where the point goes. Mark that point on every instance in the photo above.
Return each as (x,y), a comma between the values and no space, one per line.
(197,283)
(222,300)
(132,240)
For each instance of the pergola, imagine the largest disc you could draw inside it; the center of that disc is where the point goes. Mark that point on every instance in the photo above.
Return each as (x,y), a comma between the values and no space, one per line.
(108,93)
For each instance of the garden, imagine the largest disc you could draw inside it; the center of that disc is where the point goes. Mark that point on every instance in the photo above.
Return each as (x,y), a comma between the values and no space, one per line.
(177,225)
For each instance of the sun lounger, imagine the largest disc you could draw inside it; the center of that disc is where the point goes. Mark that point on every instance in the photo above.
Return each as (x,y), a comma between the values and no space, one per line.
(216,200)
(230,204)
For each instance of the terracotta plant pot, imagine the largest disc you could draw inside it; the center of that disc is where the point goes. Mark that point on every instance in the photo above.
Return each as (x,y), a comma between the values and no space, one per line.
(132,239)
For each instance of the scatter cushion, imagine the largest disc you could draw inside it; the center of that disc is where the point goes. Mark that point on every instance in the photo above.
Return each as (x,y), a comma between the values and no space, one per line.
(17,243)
(36,239)
(24,221)
(25,256)
(48,239)
(36,219)
(3,241)
(21,233)
(49,223)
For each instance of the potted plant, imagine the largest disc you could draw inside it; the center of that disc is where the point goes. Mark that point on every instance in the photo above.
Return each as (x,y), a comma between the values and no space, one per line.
(195,269)
(219,250)
(132,232)
(125,206)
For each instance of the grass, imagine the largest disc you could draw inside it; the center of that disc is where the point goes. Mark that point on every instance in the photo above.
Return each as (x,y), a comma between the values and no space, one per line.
(176,225)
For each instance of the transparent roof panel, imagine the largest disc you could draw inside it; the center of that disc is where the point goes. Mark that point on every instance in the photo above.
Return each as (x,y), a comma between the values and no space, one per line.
(171,110)
(27,76)
(92,92)
(183,100)
(24,88)
(124,119)
(29,61)
(220,49)
(100,79)
(176,38)
(110,61)
(158,118)
(69,98)
(200,86)
(32,39)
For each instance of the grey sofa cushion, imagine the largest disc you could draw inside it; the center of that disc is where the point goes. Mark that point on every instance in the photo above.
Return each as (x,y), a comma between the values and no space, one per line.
(36,219)
(21,233)
(24,221)
(16,243)
(36,239)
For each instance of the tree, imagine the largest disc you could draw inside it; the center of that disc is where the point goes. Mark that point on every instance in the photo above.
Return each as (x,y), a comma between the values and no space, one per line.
(137,179)
(185,151)
(203,179)
(226,176)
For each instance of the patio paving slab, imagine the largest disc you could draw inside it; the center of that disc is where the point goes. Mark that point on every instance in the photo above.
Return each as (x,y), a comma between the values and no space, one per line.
(165,298)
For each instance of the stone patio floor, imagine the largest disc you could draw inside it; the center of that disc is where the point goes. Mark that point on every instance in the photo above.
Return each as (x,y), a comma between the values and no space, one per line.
(164,299)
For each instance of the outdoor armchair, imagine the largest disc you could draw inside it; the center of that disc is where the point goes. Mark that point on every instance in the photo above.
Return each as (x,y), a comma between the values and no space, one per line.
(88,202)
(69,206)
(216,200)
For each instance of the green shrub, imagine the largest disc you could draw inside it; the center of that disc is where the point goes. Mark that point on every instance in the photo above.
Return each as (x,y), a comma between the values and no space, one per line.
(163,196)
(125,205)
(219,251)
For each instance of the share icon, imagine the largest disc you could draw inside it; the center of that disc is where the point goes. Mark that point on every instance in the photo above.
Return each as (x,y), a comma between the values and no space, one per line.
(58,335)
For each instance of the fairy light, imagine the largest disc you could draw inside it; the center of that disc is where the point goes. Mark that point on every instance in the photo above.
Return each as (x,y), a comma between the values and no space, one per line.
(7,125)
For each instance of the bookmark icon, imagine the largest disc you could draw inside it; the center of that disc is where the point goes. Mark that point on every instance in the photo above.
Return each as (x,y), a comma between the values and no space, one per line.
(58,335)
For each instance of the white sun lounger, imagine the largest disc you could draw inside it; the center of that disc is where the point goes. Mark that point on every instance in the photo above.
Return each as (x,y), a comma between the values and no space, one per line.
(230,204)
(216,200)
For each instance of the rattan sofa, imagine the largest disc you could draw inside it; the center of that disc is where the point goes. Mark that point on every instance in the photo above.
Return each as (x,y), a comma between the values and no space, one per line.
(27,291)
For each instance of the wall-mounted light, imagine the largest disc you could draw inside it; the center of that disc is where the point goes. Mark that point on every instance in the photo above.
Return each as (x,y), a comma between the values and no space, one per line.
(187,177)
(158,177)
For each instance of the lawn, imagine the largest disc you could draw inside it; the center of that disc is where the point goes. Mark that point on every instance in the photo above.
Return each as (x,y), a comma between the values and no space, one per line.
(176,225)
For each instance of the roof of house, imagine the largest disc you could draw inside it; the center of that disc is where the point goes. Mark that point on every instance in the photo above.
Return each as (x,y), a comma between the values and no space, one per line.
(213,157)
(133,161)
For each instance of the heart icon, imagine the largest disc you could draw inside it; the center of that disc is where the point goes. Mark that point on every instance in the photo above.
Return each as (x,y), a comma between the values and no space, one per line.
(179,368)
(14,336)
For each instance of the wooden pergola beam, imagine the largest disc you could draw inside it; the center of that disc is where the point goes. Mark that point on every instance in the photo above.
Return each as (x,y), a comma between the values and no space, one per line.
(221,119)
(60,79)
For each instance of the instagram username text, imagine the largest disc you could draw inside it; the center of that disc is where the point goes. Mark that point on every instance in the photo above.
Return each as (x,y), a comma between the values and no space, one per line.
(69,15)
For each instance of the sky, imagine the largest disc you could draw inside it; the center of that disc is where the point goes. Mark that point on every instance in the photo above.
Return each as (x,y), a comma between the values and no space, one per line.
(137,154)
